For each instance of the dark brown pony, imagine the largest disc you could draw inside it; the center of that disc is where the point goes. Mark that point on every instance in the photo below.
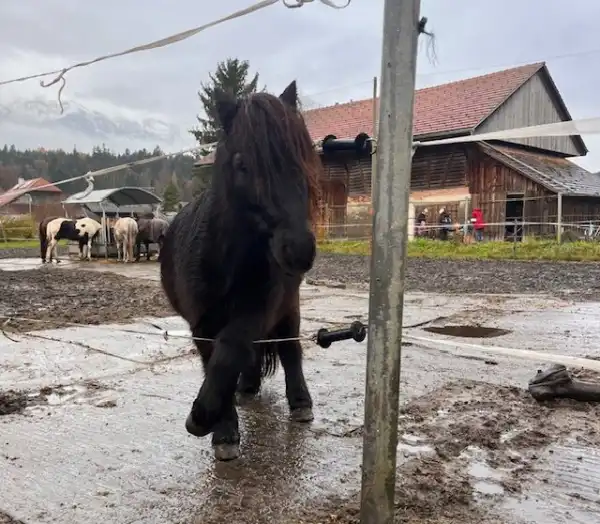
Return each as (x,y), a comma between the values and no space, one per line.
(233,260)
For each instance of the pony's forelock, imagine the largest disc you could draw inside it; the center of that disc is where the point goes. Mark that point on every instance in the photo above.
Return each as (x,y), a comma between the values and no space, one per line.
(273,143)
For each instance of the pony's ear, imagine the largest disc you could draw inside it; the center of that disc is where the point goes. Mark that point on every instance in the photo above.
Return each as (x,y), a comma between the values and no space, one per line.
(226,107)
(290,95)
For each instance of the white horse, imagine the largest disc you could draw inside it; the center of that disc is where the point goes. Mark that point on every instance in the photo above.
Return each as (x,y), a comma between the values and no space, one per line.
(88,229)
(125,230)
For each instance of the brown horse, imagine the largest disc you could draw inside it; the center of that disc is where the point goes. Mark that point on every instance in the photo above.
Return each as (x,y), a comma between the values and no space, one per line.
(150,230)
(234,258)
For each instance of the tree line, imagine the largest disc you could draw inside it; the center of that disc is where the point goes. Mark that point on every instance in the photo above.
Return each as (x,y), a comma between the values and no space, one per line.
(173,178)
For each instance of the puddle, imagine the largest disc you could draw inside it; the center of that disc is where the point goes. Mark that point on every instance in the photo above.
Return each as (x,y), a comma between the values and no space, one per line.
(467,331)
(484,479)
(564,488)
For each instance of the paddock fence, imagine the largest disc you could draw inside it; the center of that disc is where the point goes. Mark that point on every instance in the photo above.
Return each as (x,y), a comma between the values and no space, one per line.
(505,219)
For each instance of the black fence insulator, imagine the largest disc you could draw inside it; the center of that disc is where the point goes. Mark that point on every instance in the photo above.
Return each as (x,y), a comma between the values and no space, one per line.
(357,331)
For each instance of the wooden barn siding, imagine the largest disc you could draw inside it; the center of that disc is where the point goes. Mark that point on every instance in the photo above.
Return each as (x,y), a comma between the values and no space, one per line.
(432,168)
(532,104)
(489,184)
(580,209)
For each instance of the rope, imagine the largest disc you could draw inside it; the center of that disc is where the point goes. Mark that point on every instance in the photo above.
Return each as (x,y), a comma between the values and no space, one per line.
(120,167)
(163,42)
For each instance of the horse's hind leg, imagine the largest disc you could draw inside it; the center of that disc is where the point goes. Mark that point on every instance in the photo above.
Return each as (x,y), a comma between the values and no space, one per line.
(251,377)
(290,355)
(226,433)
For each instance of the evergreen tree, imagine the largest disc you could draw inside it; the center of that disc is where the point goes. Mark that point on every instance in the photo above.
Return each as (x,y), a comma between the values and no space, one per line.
(232,75)
(171,197)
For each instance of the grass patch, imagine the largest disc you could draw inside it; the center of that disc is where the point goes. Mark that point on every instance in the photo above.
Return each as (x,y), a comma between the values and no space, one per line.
(527,250)
(31,243)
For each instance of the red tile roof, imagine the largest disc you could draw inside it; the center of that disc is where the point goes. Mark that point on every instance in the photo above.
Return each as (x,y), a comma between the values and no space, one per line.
(455,106)
(27,186)
(441,109)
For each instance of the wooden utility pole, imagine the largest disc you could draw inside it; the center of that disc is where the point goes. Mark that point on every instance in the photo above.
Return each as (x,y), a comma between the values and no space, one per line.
(390,203)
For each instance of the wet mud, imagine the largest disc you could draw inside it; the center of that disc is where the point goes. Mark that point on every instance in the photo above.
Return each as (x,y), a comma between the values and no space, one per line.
(17,402)
(470,451)
(484,443)
(55,297)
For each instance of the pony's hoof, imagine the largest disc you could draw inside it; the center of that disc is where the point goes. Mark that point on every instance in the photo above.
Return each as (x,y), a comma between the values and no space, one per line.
(226,452)
(302,415)
(194,429)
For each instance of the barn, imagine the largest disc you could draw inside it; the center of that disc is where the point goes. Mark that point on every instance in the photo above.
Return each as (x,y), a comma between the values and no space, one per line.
(531,180)
(522,179)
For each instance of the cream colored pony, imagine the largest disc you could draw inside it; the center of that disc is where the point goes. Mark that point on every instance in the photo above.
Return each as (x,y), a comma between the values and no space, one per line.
(125,230)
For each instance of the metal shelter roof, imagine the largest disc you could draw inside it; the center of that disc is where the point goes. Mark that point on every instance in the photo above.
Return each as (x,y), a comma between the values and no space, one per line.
(120,196)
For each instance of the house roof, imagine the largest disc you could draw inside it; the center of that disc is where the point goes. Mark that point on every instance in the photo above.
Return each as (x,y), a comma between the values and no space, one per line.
(556,174)
(27,186)
(454,107)
(446,108)
(121,196)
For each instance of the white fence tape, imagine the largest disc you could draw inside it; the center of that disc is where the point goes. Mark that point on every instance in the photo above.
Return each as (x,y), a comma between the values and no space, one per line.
(586,126)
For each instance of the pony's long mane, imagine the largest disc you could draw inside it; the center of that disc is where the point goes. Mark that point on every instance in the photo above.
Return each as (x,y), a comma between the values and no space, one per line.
(276,152)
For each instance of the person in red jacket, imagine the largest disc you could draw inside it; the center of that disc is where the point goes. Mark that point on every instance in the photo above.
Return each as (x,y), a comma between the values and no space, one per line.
(478,224)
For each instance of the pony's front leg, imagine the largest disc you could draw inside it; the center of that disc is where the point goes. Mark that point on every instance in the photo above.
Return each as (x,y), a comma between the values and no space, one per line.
(138,246)
(226,433)
(147,251)
(215,404)
(118,251)
(81,248)
(89,250)
(52,250)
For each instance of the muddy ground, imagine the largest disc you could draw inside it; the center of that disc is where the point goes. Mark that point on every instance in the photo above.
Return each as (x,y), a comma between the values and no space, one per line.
(56,297)
(74,295)
(504,432)
(461,428)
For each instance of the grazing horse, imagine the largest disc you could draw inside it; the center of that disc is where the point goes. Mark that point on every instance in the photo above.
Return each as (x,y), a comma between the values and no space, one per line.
(233,260)
(125,230)
(52,230)
(88,229)
(150,230)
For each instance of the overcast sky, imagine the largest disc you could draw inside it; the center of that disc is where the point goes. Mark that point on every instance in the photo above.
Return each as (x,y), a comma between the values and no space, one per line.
(333,54)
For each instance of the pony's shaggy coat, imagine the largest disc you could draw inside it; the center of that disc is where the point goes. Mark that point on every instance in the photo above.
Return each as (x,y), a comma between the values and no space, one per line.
(233,259)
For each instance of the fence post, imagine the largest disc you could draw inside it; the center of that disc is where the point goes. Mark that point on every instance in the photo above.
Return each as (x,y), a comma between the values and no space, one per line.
(389,240)
(515,239)
(559,218)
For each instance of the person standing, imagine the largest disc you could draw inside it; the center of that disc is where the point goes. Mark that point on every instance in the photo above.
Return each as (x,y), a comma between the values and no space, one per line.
(478,224)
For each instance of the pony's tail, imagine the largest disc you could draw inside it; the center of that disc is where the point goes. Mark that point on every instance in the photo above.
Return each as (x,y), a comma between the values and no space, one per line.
(269,359)
(43,240)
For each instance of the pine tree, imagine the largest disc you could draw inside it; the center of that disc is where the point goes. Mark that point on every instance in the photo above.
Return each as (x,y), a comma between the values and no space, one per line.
(232,76)
(170,197)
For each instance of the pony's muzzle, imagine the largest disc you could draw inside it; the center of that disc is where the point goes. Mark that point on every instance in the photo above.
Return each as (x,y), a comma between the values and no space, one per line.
(294,250)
